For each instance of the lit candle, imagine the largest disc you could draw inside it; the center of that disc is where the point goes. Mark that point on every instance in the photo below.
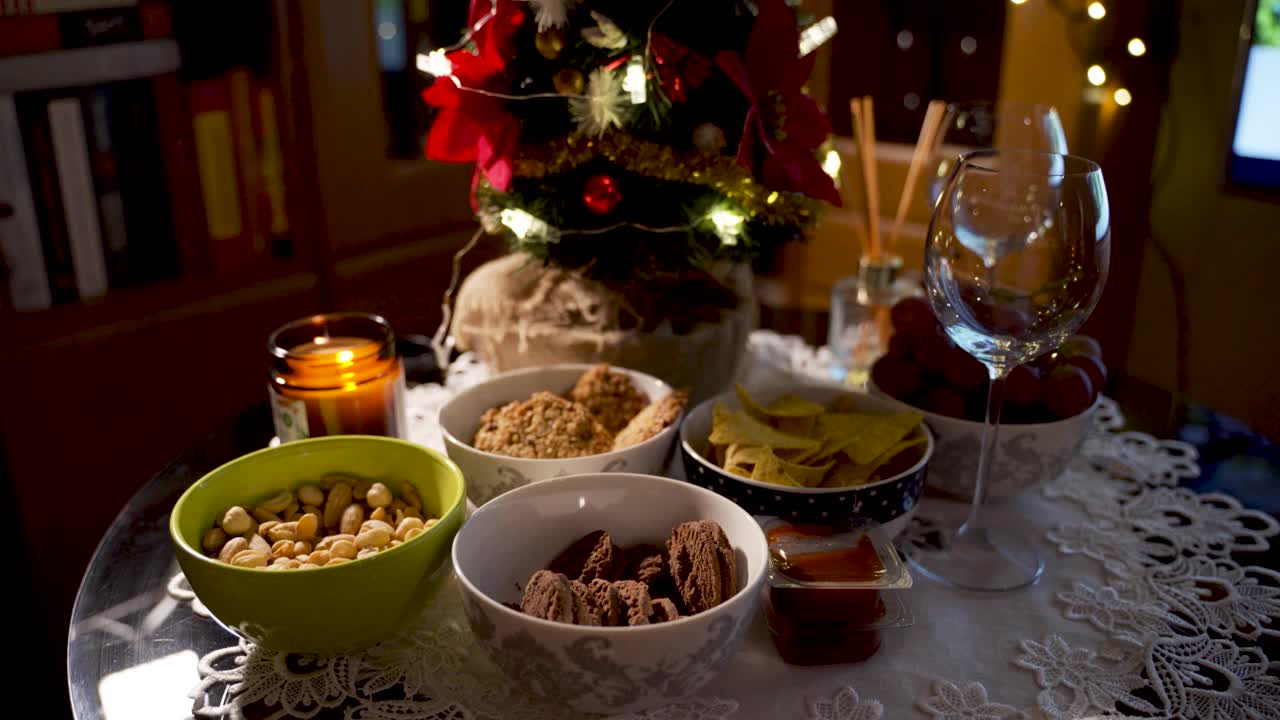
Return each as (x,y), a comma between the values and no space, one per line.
(336,374)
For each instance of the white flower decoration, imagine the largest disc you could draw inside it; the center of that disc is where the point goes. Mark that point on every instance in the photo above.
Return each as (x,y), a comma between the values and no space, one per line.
(845,705)
(605,34)
(551,13)
(605,105)
(949,702)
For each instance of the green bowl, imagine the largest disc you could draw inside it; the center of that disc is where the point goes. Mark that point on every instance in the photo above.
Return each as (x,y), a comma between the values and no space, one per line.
(326,610)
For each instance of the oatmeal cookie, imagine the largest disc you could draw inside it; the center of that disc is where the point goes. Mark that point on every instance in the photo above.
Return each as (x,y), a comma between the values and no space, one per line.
(544,426)
(652,420)
(610,396)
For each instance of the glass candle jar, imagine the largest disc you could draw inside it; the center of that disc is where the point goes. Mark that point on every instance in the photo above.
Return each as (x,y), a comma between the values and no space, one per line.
(860,328)
(336,374)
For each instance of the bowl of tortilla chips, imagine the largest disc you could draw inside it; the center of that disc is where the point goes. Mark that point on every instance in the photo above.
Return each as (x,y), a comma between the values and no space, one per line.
(814,453)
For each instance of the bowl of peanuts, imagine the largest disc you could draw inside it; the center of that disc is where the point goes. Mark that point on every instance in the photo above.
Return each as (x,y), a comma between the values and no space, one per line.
(328,545)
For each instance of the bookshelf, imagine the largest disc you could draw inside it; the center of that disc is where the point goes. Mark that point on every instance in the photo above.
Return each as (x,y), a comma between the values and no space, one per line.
(105,389)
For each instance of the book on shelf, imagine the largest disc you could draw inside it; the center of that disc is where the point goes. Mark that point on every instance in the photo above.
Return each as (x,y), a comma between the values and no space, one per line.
(35,7)
(105,163)
(42,173)
(215,150)
(26,34)
(20,247)
(79,201)
(152,249)
(181,174)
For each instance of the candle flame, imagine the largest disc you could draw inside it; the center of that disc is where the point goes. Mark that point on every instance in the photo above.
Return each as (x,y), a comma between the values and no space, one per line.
(346,356)
(320,340)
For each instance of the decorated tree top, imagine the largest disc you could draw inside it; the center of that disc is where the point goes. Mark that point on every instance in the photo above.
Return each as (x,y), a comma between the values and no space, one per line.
(634,138)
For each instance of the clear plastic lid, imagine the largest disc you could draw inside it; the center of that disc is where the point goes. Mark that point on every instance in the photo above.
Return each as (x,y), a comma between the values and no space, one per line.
(858,556)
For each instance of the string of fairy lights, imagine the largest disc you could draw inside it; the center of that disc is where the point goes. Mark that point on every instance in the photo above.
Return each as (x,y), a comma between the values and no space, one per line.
(1096,74)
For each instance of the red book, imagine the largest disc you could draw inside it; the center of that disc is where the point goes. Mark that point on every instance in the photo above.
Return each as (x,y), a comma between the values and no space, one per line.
(182,176)
(273,217)
(26,34)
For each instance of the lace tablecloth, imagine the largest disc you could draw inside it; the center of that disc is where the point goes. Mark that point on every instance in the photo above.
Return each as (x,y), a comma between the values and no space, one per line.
(1143,611)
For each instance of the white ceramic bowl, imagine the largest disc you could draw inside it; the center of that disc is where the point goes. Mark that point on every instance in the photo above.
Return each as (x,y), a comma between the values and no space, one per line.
(1027,454)
(890,503)
(489,474)
(607,670)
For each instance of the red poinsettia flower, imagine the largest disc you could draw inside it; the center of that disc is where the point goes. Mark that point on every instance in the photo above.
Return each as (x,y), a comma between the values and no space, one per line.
(784,126)
(471,126)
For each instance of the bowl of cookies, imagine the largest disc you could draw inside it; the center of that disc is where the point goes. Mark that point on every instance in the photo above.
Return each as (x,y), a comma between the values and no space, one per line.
(327,545)
(545,422)
(611,593)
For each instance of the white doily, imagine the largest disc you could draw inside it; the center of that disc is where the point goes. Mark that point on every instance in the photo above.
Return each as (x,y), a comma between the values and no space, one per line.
(1143,612)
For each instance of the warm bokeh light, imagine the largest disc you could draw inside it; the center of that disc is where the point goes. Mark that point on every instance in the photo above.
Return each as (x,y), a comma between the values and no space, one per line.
(1122,97)
(1097,10)
(1097,75)
(1017,2)
(1137,48)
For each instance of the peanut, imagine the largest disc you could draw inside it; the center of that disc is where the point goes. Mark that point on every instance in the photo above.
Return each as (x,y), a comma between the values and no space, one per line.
(306,565)
(352,518)
(290,509)
(397,505)
(279,567)
(338,560)
(343,549)
(373,537)
(379,495)
(338,500)
(301,547)
(379,513)
(236,521)
(295,564)
(305,557)
(393,543)
(328,541)
(311,495)
(250,559)
(361,489)
(366,552)
(307,526)
(262,514)
(328,481)
(265,528)
(282,550)
(284,531)
(213,540)
(232,546)
(413,513)
(405,526)
(413,533)
(430,523)
(257,543)
(320,557)
(252,529)
(316,510)
(410,495)
(278,502)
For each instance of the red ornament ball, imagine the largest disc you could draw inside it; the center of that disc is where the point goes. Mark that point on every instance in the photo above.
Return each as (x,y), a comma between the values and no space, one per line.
(601,194)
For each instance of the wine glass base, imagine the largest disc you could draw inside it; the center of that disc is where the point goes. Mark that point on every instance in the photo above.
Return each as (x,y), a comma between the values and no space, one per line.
(982,560)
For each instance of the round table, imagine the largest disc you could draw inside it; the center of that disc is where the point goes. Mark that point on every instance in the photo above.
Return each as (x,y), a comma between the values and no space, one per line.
(139,645)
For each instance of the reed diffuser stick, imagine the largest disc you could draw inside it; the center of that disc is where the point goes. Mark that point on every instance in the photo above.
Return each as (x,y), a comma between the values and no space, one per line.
(923,151)
(867,139)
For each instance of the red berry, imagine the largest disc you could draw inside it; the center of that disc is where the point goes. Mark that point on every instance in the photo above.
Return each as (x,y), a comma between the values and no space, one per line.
(1025,386)
(945,401)
(913,316)
(897,378)
(1068,391)
(933,352)
(1081,345)
(963,371)
(1093,367)
(900,346)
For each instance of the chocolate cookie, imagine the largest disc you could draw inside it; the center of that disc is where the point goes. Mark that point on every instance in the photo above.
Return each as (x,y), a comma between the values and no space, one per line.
(703,565)
(635,598)
(664,610)
(589,557)
(584,610)
(606,604)
(549,596)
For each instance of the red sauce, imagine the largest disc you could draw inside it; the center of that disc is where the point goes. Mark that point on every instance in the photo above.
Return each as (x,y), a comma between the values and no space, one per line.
(859,563)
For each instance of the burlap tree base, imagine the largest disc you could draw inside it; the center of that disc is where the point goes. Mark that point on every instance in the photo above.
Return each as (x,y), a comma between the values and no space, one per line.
(517,313)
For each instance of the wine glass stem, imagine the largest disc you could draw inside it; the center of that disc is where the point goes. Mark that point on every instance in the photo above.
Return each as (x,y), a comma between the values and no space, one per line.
(990,433)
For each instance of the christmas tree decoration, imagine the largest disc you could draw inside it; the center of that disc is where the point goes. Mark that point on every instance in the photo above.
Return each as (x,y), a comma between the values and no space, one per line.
(695,108)
(709,138)
(601,194)
(605,34)
(569,81)
(551,13)
(550,42)
(606,105)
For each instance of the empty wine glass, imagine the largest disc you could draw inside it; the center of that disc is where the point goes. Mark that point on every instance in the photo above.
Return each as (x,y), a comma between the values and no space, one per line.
(982,125)
(1015,260)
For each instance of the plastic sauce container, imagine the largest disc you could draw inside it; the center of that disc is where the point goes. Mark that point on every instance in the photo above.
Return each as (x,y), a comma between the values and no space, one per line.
(831,591)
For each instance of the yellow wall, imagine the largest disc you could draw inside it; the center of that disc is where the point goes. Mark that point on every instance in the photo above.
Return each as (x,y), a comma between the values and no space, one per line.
(1226,247)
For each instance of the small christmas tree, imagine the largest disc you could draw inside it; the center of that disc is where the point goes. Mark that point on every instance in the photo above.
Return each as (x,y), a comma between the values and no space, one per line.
(637,142)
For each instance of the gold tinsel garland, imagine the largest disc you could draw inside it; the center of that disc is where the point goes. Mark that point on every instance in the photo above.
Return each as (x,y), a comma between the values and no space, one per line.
(662,162)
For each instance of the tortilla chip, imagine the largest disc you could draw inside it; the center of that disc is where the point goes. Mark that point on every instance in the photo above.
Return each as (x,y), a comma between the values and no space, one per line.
(743,454)
(805,475)
(865,436)
(794,406)
(845,403)
(750,406)
(802,426)
(849,475)
(729,427)
(770,470)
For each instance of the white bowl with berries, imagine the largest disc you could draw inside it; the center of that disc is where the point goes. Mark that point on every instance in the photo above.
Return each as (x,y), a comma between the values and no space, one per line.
(1048,409)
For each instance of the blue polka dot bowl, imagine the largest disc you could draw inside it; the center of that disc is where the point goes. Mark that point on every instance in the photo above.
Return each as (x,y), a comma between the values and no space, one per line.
(889,503)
